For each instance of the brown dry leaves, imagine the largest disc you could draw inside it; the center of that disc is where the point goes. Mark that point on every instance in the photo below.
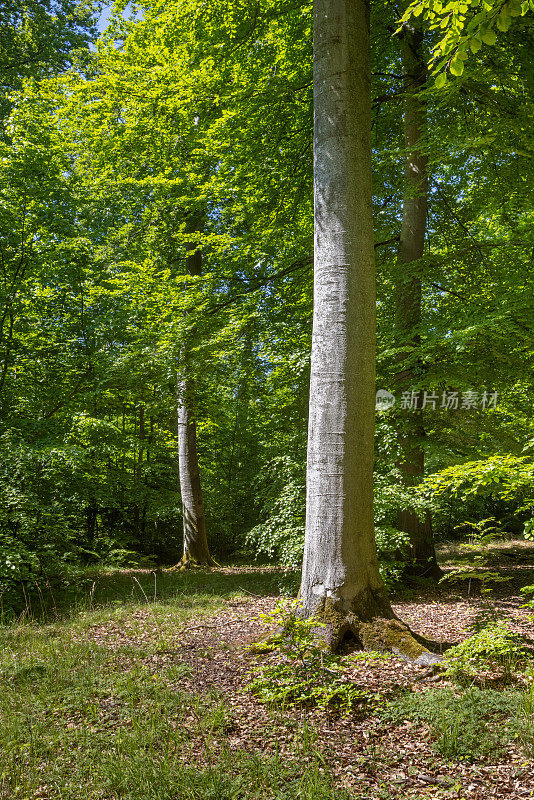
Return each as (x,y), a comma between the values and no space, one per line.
(364,753)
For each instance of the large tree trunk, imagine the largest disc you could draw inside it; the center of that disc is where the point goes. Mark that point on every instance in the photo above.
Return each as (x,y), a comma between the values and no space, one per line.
(196,552)
(408,301)
(341,583)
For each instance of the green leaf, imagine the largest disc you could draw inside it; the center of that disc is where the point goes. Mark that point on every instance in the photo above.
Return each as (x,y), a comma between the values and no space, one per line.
(489,37)
(440,81)
(503,21)
(513,8)
(456,66)
(475,22)
(475,45)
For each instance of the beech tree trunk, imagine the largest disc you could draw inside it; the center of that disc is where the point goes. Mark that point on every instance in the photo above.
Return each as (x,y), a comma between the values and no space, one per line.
(139,514)
(196,551)
(341,583)
(423,561)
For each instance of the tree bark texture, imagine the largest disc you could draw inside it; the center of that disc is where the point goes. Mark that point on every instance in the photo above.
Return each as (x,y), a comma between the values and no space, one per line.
(408,299)
(341,582)
(196,551)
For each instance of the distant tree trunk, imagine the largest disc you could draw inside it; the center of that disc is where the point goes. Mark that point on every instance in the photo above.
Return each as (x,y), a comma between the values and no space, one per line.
(91,514)
(196,552)
(341,583)
(138,514)
(408,300)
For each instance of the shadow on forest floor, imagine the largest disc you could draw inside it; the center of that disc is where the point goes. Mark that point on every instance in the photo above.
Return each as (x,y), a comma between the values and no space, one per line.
(115,587)
(112,587)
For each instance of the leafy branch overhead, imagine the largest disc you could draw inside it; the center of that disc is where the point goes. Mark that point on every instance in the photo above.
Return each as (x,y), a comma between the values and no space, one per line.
(463,27)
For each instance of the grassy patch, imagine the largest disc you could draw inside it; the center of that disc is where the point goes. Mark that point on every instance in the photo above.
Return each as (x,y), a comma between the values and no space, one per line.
(470,724)
(84,715)
(113,587)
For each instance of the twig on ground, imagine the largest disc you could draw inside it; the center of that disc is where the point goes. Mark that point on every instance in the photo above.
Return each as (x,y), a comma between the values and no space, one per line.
(434,781)
(220,625)
(258,596)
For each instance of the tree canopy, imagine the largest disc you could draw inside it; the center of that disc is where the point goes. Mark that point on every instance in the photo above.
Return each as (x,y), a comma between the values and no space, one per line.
(113,143)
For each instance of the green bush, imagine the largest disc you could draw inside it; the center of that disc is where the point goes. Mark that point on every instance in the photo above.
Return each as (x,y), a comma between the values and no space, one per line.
(281,535)
(392,549)
(306,674)
(493,647)
(507,478)
(528,591)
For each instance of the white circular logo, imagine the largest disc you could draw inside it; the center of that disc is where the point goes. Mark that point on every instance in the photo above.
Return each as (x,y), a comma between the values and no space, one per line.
(384,400)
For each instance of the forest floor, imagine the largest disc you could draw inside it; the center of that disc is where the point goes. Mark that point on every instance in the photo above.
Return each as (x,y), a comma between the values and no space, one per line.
(140,691)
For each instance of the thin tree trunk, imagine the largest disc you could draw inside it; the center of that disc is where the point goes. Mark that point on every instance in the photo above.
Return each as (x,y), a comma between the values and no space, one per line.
(408,300)
(196,552)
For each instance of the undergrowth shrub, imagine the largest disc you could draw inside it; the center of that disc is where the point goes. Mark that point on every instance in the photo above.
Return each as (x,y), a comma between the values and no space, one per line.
(528,591)
(494,647)
(482,534)
(392,548)
(306,674)
(470,486)
(281,534)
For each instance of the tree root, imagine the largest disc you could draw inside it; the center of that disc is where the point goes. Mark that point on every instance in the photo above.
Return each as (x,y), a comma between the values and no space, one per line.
(378,634)
(188,562)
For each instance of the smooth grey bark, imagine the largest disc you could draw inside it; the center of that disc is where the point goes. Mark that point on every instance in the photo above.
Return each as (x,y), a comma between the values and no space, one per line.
(194,522)
(341,583)
(139,514)
(195,551)
(408,298)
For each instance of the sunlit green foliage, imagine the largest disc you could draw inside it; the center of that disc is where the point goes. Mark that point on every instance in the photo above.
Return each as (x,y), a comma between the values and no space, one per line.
(465,26)
(190,108)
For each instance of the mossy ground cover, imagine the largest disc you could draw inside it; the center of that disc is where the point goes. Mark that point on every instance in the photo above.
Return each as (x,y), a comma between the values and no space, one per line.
(137,687)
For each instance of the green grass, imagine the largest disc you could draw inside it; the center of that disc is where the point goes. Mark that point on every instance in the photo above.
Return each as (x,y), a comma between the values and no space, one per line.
(83,718)
(470,724)
(75,725)
(103,587)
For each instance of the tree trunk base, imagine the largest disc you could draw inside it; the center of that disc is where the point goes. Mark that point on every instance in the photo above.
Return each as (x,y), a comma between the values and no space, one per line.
(382,634)
(420,571)
(189,561)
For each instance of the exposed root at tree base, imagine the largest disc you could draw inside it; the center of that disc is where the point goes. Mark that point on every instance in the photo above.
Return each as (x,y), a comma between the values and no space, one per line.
(190,562)
(416,575)
(394,636)
(378,633)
